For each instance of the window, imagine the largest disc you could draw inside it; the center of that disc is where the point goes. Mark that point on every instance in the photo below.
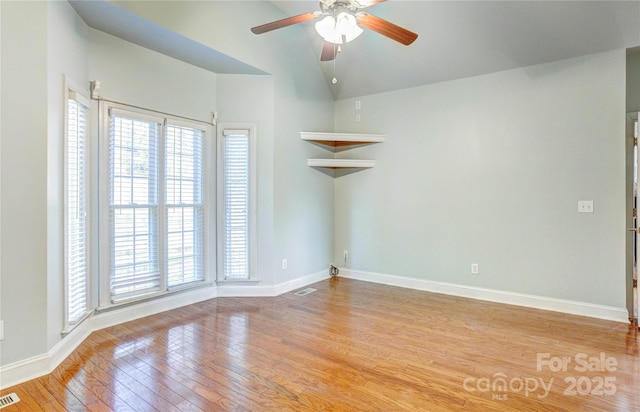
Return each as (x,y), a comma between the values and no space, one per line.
(76,236)
(184,199)
(156,206)
(133,206)
(237,203)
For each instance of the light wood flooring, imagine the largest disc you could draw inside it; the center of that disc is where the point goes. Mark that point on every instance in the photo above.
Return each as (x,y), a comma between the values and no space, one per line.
(349,346)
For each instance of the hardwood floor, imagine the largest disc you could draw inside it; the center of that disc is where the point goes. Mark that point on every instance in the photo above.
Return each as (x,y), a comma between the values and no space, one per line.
(349,346)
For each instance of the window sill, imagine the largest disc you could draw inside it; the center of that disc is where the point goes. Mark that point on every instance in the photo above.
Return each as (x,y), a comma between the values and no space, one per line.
(241,281)
(153,296)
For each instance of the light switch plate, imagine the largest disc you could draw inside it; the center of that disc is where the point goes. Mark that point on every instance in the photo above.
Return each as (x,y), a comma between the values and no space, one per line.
(585,206)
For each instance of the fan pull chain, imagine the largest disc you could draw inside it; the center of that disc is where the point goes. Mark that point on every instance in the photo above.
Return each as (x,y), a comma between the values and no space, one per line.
(335,54)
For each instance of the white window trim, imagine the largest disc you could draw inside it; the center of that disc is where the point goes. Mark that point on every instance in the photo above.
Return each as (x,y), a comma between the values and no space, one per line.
(104,280)
(72,90)
(251,129)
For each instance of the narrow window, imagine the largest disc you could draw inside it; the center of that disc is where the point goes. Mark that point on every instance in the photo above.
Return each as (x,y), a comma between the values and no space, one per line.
(184,199)
(76,239)
(237,208)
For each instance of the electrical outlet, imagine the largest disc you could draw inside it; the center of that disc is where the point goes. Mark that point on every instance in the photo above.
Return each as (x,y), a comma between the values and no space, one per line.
(357,117)
(475,269)
(358,105)
(585,206)
(284,263)
(345,255)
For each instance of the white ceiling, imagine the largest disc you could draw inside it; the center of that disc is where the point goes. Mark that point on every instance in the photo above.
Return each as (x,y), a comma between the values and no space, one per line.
(457,39)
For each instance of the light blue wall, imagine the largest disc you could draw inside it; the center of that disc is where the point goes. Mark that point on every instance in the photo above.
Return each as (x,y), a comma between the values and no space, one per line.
(138,76)
(489,170)
(24,180)
(41,43)
(251,99)
(633,80)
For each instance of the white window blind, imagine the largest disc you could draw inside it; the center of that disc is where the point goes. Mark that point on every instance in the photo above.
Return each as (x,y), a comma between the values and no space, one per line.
(157,206)
(236,204)
(76,246)
(133,212)
(184,199)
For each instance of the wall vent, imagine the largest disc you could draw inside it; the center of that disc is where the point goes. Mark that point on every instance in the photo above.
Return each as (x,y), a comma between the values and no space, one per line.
(304,292)
(9,399)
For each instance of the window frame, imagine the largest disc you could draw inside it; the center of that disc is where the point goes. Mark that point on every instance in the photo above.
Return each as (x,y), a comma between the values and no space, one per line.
(72,91)
(207,202)
(251,130)
(209,239)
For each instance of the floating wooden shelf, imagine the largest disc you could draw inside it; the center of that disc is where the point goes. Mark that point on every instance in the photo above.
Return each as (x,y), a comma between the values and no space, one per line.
(342,139)
(335,140)
(341,163)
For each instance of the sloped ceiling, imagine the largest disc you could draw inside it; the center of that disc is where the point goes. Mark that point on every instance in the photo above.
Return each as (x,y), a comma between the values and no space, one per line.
(460,39)
(457,39)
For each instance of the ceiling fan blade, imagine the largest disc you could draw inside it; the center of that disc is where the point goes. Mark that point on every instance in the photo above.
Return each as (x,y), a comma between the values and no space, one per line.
(278,24)
(386,28)
(329,51)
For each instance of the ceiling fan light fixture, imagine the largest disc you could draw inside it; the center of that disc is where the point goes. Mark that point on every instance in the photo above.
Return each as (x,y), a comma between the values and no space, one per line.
(346,25)
(326,28)
(339,30)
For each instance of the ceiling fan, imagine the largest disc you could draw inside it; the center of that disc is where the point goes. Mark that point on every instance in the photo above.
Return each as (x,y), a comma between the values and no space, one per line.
(342,22)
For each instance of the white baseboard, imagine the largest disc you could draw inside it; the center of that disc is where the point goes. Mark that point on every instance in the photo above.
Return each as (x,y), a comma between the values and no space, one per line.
(302,282)
(492,295)
(27,369)
(240,289)
(243,290)
(151,307)
(24,370)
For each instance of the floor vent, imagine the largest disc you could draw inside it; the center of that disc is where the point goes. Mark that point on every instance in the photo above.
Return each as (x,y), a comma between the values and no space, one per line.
(304,292)
(9,399)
